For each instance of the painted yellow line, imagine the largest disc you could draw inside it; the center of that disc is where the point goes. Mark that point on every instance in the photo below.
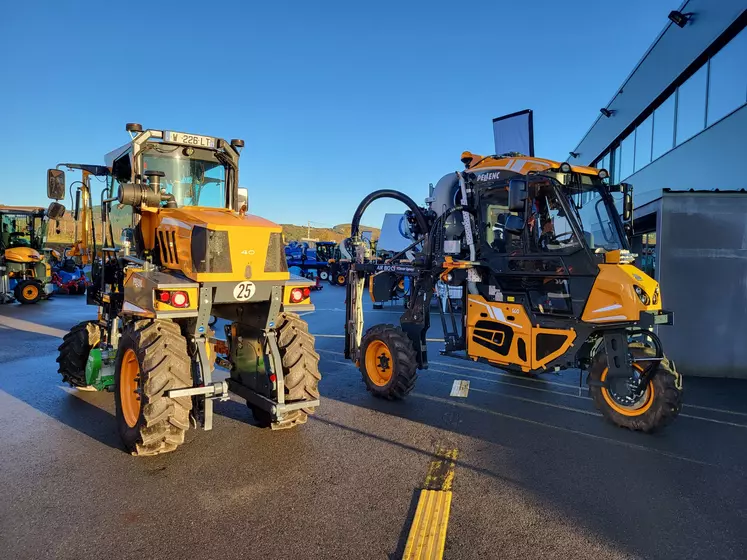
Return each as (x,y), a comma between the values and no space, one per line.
(427,537)
(428,532)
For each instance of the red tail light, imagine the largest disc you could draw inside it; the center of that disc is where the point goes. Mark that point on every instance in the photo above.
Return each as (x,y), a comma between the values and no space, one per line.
(297,295)
(174,299)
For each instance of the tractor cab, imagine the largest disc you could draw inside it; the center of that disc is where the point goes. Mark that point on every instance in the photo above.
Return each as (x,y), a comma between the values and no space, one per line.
(25,271)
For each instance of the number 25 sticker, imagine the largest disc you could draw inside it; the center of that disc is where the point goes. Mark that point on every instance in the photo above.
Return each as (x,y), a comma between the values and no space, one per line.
(243,291)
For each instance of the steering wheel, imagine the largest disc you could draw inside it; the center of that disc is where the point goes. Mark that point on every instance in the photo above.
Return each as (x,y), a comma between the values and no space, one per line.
(15,239)
(548,238)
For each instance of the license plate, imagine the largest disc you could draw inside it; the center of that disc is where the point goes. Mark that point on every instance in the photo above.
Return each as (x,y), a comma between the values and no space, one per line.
(189,139)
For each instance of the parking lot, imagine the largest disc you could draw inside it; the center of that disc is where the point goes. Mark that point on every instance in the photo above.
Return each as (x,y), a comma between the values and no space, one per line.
(539,473)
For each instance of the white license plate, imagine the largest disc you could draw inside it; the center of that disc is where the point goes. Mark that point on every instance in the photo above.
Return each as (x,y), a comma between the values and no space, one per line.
(189,139)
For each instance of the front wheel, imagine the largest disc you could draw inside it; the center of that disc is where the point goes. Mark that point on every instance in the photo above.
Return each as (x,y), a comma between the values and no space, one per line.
(324,274)
(28,291)
(388,362)
(624,403)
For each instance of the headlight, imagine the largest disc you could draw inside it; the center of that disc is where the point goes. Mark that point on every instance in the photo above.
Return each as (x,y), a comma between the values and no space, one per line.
(642,295)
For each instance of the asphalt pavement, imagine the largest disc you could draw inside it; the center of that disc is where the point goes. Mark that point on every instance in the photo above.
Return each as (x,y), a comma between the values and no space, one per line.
(539,473)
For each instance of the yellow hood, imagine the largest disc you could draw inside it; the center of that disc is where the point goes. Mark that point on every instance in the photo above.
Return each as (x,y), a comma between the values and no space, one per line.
(22,255)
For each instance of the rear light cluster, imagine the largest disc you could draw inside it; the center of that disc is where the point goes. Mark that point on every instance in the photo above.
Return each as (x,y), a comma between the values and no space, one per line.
(174,299)
(297,295)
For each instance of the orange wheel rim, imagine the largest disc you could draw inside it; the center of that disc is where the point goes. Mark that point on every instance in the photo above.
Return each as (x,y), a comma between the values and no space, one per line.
(401,285)
(129,387)
(341,279)
(30,291)
(648,398)
(379,363)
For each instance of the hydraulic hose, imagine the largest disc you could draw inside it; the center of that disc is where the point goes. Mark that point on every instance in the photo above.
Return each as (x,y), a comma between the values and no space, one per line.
(387,193)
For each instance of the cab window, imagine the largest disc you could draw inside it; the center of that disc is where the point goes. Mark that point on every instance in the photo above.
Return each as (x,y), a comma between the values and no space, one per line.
(548,227)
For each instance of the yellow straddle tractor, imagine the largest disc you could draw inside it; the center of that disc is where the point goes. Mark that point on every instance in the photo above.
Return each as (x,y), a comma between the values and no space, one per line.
(25,272)
(540,253)
(187,251)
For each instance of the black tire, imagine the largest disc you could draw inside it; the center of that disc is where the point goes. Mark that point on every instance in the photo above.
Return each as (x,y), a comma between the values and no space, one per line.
(663,407)
(74,350)
(300,370)
(164,364)
(323,274)
(403,362)
(28,291)
(340,279)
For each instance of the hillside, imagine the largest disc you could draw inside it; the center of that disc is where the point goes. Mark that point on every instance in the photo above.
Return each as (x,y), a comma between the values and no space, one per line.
(336,233)
(292,232)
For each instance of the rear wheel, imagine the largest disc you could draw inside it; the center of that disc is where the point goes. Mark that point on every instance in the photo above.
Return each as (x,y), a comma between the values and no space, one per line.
(28,291)
(388,362)
(340,279)
(623,402)
(300,364)
(74,350)
(151,359)
(324,274)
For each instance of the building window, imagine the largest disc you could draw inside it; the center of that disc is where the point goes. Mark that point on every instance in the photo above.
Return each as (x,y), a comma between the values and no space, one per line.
(691,105)
(727,80)
(616,158)
(663,128)
(643,143)
(627,156)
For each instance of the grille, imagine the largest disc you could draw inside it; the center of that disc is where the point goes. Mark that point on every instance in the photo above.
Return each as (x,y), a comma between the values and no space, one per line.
(275,261)
(167,241)
(211,251)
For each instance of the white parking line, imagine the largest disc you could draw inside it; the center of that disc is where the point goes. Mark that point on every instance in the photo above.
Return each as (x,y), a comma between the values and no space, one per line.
(28,326)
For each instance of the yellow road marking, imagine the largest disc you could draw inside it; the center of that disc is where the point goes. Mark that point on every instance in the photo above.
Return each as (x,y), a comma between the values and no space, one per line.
(427,537)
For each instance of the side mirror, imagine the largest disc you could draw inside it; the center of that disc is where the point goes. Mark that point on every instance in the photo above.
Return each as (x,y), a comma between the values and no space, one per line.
(517,195)
(627,206)
(514,225)
(55,184)
(55,211)
(243,200)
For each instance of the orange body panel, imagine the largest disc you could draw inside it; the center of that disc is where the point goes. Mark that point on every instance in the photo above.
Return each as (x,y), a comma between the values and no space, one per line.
(499,332)
(613,298)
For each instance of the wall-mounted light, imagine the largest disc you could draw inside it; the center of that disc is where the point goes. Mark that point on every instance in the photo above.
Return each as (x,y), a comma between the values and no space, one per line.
(607,112)
(679,19)
(573,154)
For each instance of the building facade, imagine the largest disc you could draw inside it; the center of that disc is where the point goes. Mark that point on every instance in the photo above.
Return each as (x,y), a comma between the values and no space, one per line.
(676,130)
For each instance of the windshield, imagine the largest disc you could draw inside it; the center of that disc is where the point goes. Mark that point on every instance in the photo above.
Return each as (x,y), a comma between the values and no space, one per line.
(594,211)
(22,230)
(198,179)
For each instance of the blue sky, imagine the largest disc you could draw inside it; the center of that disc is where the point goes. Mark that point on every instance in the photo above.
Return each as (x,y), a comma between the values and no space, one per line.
(333,99)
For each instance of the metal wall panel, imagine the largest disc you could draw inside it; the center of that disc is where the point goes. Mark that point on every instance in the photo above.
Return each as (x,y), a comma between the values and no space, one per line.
(702,269)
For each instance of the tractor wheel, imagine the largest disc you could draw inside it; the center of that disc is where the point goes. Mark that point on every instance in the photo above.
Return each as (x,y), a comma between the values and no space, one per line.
(341,279)
(28,291)
(151,359)
(646,411)
(323,274)
(74,350)
(388,362)
(300,371)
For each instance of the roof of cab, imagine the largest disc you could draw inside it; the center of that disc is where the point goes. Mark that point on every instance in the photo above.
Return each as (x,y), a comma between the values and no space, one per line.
(519,163)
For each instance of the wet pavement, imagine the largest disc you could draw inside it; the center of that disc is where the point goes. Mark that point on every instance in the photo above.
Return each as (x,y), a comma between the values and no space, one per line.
(539,473)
